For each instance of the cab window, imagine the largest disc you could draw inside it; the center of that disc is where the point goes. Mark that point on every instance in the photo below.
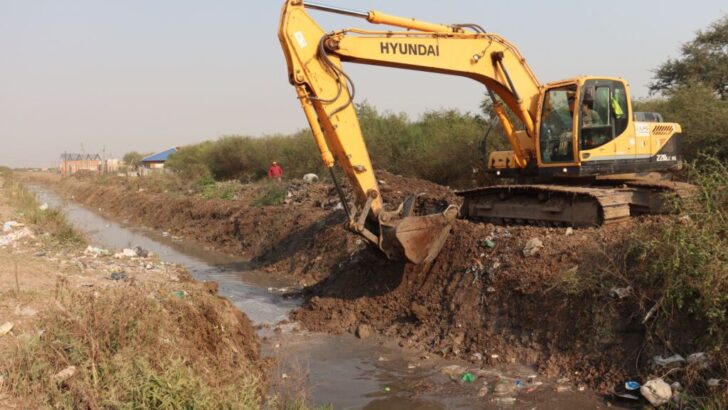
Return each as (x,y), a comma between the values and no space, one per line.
(602,113)
(555,134)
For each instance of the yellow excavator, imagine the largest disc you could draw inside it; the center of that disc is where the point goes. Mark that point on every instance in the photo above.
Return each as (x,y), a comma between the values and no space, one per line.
(578,158)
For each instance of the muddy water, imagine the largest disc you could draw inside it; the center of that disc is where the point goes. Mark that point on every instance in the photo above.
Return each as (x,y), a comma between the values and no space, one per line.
(340,370)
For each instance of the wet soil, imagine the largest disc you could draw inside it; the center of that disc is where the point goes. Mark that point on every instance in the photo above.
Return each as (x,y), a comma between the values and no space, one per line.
(376,373)
(482,300)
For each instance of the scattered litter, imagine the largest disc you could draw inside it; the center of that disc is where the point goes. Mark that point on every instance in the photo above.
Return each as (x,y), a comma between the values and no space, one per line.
(631,385)
(39,254)
(627,396)
(180,294)
(338,206)
(467,377)
(505,400)
(310,178)
(476,357)
(382,359)
(621,293)
(95,251)
(656,391)
(44,206)
(533,247)
(483,391)
(520,384)
(713,382)
(129,253)
(9,225)
(562,388)
(387,389)
(453,370)
(64,374)
(14,236)
(5,328)
(165,234)
(28,312)
(668,361)
(121,275)
(569,231)
(141,252)
(503,388)
(488,243)
(701,359)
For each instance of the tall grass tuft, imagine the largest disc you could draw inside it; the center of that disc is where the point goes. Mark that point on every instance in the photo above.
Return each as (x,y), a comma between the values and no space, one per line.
(48,220)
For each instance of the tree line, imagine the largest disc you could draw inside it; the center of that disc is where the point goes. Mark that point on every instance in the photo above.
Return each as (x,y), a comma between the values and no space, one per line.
(445,146)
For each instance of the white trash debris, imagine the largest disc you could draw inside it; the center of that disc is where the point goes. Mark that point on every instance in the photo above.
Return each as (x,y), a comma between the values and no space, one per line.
(656,391)
(701,359)
(532,248)
(9,225)
(64,374)
(621,293)
(26,311)
(43,207)
(569,231)
(310,178)
(668,361)
(5,328)
(713,382)
(95,251)
(15,235)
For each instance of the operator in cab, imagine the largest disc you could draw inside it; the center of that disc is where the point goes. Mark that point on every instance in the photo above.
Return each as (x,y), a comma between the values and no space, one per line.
(589,117)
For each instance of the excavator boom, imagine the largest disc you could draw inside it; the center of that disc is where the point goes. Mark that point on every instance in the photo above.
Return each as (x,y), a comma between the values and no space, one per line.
(550,138)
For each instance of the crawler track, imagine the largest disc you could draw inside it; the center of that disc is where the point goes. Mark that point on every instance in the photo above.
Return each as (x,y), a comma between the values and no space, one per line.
(563,205)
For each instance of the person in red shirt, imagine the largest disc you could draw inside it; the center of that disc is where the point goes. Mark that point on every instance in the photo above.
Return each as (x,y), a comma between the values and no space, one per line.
(275,172)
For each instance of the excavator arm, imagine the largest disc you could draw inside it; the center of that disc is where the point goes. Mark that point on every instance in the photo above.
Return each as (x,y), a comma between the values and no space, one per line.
(326,93)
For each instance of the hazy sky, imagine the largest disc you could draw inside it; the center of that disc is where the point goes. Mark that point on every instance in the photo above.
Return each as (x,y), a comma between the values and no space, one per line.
(149,74)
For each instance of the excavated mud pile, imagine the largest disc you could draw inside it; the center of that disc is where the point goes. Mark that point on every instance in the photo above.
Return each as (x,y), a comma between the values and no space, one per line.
(484,300)
(315,253)
(229,226)
(494,295)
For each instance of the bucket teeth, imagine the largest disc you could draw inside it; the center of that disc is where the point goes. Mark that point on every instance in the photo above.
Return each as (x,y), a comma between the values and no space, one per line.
(417,239)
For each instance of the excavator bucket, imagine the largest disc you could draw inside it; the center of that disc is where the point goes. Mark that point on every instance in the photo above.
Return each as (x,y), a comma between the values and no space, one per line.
(418,239)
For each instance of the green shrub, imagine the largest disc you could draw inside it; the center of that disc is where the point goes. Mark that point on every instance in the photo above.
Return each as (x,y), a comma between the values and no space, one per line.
(686,263)
(219,190)
(442,146)
(272,194)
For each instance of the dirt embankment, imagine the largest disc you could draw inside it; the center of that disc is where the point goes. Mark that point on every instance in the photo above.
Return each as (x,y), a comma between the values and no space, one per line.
(482,299)
(92,328)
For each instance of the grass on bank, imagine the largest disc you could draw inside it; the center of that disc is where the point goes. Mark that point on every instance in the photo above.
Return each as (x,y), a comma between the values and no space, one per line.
(137,348)
(47,220)
(676,270)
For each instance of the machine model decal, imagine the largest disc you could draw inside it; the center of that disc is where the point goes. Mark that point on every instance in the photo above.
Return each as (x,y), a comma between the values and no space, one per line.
(642,129)
(408,49)
(665,157)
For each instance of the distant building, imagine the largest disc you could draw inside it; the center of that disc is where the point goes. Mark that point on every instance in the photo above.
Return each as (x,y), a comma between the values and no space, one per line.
(72,163)
(157,160)
(111,166)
